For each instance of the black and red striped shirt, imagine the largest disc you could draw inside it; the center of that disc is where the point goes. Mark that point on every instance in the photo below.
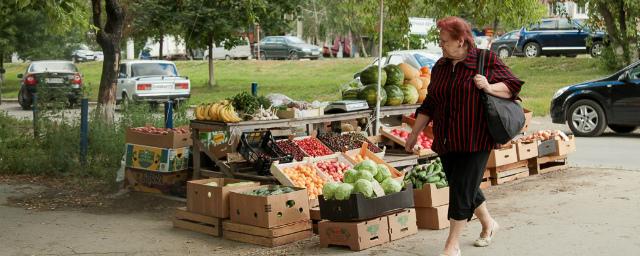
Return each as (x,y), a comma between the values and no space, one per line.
(453,103)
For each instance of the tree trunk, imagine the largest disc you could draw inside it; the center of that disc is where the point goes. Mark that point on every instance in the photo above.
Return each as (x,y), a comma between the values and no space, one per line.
(160,55)
(210,46)
(108,37)
(362,48)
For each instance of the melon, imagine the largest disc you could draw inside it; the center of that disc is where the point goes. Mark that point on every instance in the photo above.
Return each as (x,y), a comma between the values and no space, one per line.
(422,94)
(409,71)
(426,80)
(395,76)
(370,92)
(370,75)
(410,94)
(395,96)
(417,83)
(351,94)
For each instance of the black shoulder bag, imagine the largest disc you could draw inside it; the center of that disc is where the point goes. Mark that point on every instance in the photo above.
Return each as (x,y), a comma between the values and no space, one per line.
(505,117)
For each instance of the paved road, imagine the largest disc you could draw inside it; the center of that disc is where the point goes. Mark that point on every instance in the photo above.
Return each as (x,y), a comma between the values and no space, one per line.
(611,150)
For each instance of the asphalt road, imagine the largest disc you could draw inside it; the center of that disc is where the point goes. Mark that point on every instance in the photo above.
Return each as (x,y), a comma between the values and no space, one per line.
(611,150)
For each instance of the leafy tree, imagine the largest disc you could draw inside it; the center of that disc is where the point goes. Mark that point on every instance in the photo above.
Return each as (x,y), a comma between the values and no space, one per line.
(154,19)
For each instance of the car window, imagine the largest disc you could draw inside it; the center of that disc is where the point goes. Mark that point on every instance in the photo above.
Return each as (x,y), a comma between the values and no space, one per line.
(153,69)
(294,40)
(123,69)
(52,66)
(564,24)
(507,36)
(268,40)
(547,25)
(634,74)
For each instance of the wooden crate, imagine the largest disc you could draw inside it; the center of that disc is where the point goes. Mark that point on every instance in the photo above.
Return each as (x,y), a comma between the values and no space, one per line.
(486,183)
(386,132)
(364,151)
(269,237)
(503,156)
(195,222)
(498,178)
(547,164)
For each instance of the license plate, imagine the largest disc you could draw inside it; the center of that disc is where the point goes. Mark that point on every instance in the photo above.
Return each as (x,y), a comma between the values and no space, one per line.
(54,80)
(162,86)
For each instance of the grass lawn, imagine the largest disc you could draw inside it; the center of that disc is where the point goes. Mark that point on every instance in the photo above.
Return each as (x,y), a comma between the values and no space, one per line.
(321,80)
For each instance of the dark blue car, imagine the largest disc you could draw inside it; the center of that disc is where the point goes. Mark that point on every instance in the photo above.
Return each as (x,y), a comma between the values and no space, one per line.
(559,36)
(589,107)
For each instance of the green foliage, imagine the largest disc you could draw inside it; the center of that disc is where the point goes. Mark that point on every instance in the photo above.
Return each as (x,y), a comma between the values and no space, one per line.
(154,19)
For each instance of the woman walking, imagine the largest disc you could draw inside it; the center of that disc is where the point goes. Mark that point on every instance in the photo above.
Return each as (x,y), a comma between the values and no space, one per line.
(460,127)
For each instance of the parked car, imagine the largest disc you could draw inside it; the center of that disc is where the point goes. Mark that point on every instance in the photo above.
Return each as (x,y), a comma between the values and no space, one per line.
(83,55)
(241,51)
(505,45)
(60,75)
(286,47)
(151,81)
(415,58)
(589,107)
(559,36)
(99,56)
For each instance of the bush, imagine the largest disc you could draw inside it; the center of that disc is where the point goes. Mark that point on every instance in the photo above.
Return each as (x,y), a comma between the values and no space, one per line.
(55,151)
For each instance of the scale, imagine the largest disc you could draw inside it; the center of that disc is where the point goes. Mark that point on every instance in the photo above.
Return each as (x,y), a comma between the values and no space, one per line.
(343,106)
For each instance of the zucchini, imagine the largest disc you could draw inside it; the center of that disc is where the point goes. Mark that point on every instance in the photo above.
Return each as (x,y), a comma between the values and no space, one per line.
(433,179)
(442,175)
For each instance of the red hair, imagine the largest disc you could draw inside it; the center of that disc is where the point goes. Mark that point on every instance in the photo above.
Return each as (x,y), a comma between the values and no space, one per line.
(457,29)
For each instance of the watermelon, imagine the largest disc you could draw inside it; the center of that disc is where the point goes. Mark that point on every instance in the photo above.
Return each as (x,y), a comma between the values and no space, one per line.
(351,94)
(370,75)
(370,92)
(410,94)
(395,76)
(395,96)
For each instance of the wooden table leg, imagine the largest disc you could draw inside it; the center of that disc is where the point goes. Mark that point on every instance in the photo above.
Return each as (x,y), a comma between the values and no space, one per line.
(195,137)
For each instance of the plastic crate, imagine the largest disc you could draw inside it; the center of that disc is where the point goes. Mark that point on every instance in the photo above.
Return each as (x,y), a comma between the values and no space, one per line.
(260,149)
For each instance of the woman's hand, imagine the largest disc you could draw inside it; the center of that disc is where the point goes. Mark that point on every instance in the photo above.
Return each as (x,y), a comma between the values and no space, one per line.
(411,142)
(481,82)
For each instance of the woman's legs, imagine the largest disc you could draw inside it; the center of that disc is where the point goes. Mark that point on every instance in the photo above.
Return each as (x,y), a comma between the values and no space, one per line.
(452,245)
(488,223)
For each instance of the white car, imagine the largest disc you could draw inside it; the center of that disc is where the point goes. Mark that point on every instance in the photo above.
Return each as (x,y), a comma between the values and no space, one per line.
(415,58)
(83,55)
(151,81)
(241,51)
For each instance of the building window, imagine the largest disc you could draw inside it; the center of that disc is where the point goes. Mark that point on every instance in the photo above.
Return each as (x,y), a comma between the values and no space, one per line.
(582,9)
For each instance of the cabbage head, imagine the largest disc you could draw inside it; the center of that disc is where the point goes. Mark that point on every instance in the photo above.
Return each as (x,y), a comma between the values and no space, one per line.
(368,165)
(364,174)
(363,187)
(383,173)
(350,176)
(343,191)
(391,186)
(329,190)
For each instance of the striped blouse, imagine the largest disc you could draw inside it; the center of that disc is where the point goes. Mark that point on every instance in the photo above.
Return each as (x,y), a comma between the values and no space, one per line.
(453,103)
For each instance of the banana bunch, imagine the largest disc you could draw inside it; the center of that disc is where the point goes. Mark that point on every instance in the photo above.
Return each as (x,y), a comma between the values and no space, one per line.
(219,111)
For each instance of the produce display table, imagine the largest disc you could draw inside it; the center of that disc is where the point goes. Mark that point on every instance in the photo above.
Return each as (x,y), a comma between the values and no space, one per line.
(233,170)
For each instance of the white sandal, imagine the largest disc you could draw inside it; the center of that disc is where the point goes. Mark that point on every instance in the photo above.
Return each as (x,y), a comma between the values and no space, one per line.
(486,241)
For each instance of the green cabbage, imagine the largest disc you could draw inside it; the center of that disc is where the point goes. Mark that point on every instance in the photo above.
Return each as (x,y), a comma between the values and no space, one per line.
(364,174)
(343,191)
(329,190)
(391,186)
(368,165)
(363,187)
(383,173)
(350,176)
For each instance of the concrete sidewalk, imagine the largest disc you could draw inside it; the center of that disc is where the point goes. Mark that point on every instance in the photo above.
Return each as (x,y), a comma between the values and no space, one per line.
(572,212)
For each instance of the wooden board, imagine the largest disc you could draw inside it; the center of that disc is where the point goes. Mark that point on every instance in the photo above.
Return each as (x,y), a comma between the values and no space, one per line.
(265,241)
(196,222)
(507,167)
(508,176)
(267,232)
(545,164)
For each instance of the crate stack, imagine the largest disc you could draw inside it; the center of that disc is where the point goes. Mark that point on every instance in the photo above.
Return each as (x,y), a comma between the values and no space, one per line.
(552,155)
(360,223)
(505,166)
(270,220)
(432,206)
(208,204)
(157,159)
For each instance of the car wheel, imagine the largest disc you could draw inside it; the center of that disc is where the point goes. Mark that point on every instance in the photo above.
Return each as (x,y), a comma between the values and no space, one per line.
(263,55)
(227,57)
(125,101)
(25,99)
(293,56)
(596,49)
(586,118)
(622,128)
(532,50)
(503,53)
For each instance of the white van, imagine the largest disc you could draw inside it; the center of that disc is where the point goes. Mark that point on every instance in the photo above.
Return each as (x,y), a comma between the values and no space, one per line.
(241,51)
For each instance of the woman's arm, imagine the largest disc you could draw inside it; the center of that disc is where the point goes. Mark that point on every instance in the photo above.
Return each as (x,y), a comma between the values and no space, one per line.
(421,122)
(498,89)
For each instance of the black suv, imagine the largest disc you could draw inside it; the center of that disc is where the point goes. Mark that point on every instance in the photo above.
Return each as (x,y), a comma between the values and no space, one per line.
(559,36)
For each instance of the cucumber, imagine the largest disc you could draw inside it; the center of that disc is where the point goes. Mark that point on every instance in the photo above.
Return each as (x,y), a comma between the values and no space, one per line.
(433,179)
(442,175)
(441,184)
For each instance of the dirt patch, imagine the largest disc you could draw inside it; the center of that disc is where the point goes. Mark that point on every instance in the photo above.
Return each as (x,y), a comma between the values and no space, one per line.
(87,195)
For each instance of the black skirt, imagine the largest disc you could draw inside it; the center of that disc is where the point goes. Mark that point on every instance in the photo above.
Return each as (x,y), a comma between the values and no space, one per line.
(464,172)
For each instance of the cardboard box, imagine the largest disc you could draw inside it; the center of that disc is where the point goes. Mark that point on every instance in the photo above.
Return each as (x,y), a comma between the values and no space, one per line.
(169,183)
(358,207)
(547,147)
(169,140)
(269,237)
(432,217)
(527,150)
(402,224)
(565,147)
(156,159)
(355,235)
(528,115)
(503,156)
(268,211)
(430,196)
(212,200)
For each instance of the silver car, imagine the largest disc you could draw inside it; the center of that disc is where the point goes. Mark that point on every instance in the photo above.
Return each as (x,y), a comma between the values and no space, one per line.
(151,81)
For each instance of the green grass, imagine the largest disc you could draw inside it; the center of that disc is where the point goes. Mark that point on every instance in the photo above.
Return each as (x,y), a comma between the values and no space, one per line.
(321,80)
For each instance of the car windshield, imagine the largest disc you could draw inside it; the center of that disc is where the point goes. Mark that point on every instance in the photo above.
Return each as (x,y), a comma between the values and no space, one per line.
(153,69)
(52,66)
(294,40)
